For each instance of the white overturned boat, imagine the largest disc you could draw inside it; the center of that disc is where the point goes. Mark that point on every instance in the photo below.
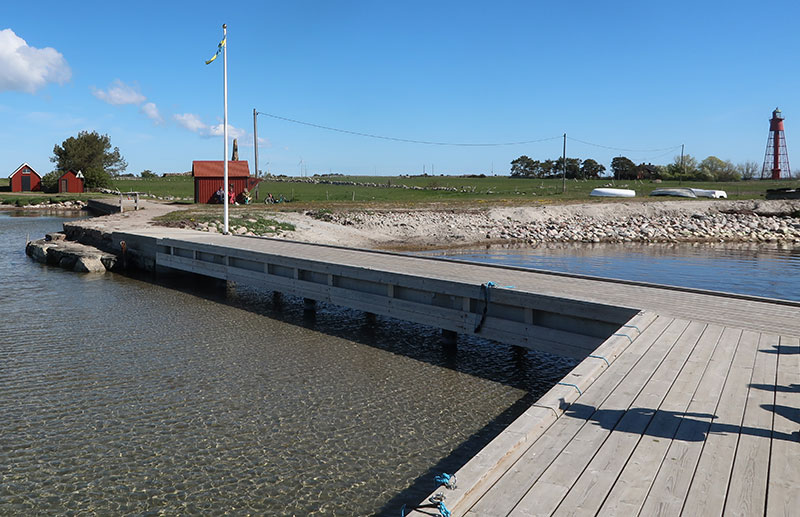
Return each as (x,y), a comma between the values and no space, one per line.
(612,192)
(715,194)
(674,191)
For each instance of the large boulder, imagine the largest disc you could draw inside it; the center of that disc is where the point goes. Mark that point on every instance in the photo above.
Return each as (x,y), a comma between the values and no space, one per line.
(89,264)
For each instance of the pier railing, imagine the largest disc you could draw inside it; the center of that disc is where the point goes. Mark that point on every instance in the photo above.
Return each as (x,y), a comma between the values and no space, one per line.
(561,326)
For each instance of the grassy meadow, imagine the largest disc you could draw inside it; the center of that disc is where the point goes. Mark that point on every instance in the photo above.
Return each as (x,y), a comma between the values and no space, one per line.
(469,189)
(474,191)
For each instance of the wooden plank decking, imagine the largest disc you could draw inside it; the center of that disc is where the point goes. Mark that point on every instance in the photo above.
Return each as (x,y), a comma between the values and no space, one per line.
(693,408)
(691,419)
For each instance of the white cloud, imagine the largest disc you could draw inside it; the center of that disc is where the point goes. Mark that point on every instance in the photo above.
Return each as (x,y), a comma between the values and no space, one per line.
(233,132)
(150,110)
(25,68)
(193,123)
(119,93)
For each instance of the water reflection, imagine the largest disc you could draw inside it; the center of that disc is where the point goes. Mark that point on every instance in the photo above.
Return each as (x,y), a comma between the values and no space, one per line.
(761,270)
(128,395)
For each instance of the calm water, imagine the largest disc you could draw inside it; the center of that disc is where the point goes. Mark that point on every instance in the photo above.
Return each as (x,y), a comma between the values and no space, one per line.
(129,396)
(767,270)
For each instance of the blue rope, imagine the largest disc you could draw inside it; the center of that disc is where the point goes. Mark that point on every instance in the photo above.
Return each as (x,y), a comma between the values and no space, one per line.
(601,357)
(625,335)
(443,511)
(492,284)
(633,327)
(485,290)
(573,385)
(442,479)
(403,511)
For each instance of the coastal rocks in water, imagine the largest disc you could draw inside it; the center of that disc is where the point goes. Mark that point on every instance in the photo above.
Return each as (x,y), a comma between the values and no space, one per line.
(57,205)
(89,264)
(55,250)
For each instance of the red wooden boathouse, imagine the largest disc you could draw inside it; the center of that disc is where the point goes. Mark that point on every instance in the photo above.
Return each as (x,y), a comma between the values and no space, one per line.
(71,182)
(209,174)
(25,179)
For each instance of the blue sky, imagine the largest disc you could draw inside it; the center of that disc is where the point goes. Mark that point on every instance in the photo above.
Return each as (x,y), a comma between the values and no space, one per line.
(627,75)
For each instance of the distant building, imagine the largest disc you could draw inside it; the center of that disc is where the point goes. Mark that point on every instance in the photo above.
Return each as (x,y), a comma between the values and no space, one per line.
(71,182)
(208,178)
(25,179)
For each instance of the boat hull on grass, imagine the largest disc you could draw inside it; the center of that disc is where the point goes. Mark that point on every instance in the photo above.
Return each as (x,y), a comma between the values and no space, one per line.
(612,192)
(674,192)
(714,194)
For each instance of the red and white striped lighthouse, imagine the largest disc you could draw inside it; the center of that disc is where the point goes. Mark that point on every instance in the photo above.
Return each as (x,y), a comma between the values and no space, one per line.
(776,159)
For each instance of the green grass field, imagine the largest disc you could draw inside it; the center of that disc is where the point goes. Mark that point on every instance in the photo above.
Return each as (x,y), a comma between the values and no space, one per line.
(490,190)
(475,191)
(175,186)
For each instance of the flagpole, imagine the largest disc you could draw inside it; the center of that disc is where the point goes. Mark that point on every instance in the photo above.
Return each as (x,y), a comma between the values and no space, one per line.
(225,121)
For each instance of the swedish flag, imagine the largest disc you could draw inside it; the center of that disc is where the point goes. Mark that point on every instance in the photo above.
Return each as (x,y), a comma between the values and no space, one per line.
(219,49)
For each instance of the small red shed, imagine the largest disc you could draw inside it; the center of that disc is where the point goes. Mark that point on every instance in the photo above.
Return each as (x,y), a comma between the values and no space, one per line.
(71,182)
(25,179)
(209,174)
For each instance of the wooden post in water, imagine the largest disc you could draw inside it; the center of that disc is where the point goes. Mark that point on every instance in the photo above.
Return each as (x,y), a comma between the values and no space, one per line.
(309,304)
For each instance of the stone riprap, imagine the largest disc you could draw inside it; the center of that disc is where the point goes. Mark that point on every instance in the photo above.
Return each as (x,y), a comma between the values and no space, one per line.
(62,205)
(55,250)
(759,222)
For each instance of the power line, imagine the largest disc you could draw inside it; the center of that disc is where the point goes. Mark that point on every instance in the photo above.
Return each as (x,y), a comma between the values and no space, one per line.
(671,149)
(407,140)
(461,144)
(626,150)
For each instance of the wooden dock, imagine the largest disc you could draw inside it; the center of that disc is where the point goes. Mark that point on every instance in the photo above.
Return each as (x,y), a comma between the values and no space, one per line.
(685,402)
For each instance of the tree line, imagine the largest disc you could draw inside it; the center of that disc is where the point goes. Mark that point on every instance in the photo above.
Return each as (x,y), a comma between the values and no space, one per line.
(525,167)
(622,168)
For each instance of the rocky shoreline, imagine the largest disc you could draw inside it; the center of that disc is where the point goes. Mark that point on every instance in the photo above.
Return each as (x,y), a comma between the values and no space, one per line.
(62,205)
(670,222)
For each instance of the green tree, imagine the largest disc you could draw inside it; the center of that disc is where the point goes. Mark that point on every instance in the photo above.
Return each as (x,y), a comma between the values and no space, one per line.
(623,168)
(716,169)
(682,170)
(147,173)
(50,181)
(573,167)
(523,167)
(91,154)
(592,169)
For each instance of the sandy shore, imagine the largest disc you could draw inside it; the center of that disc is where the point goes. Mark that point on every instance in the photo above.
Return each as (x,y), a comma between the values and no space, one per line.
(630,221)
